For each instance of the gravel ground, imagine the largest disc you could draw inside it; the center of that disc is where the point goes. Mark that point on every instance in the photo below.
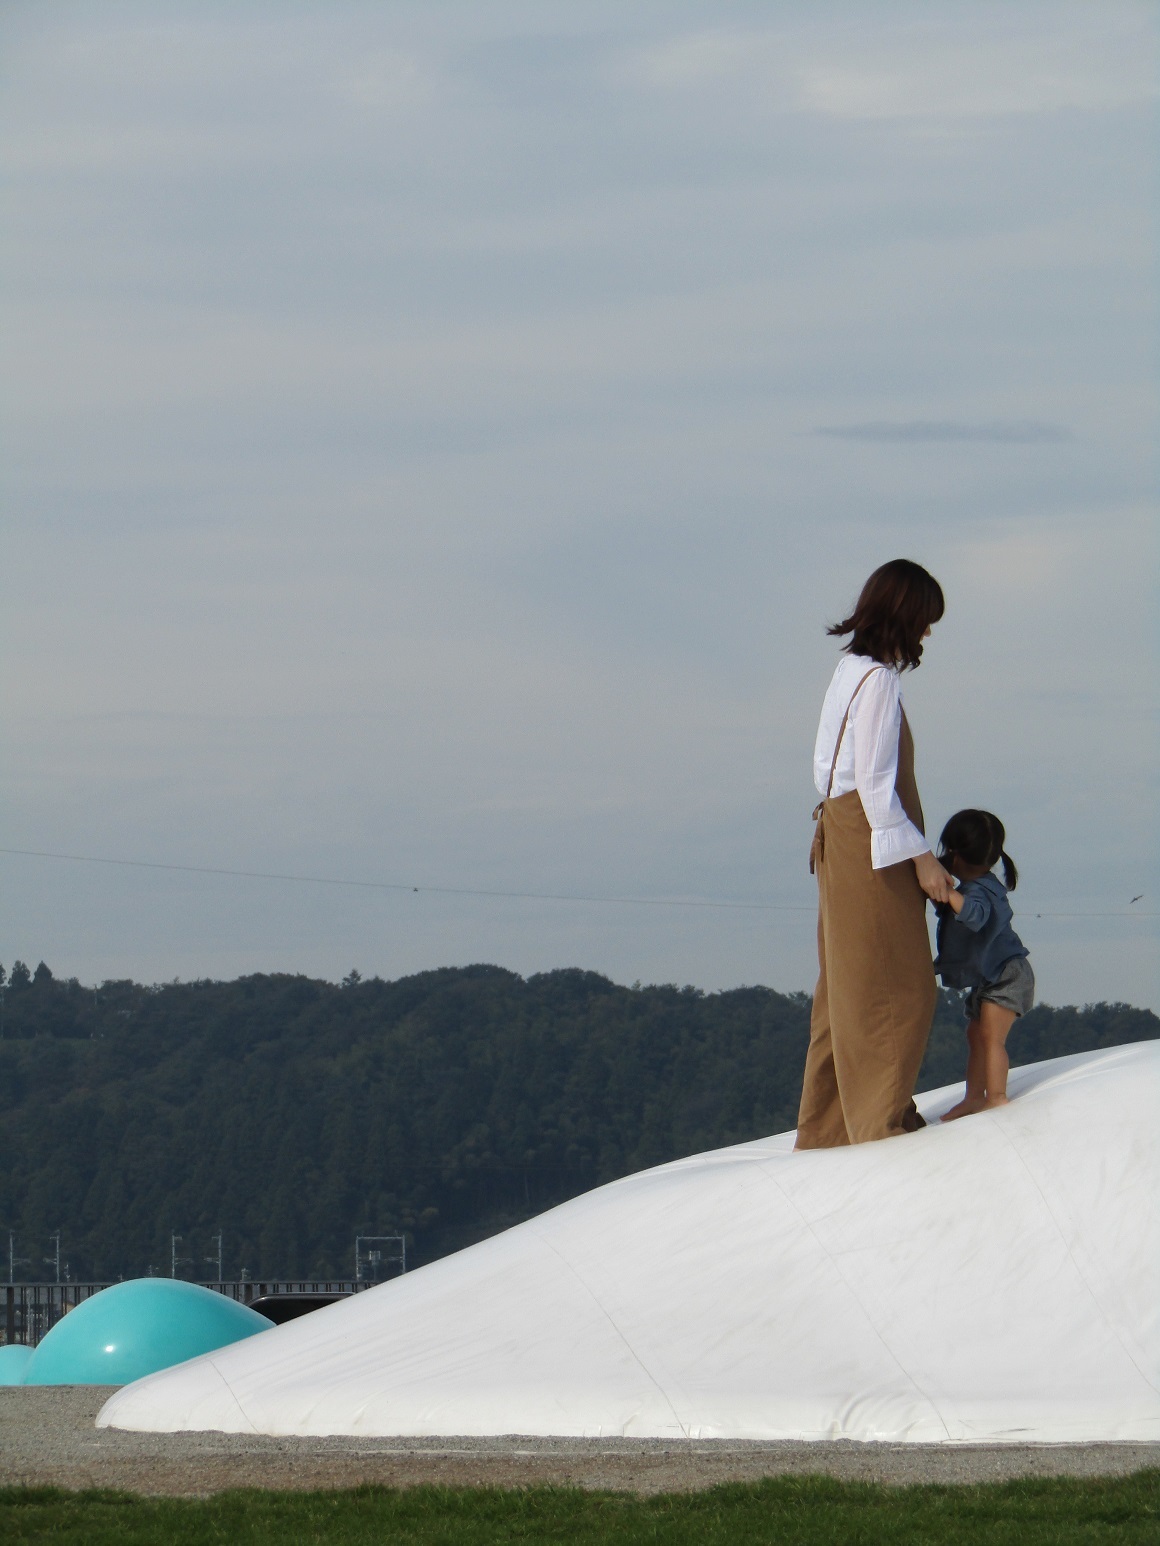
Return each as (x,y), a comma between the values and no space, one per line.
(47,1437)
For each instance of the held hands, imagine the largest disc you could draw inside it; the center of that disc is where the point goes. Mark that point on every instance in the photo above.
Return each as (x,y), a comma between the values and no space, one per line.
(933,879)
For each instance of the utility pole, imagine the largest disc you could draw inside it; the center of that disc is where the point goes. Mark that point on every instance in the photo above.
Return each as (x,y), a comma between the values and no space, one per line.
(370,1255)
(176,1261)
(54,1260)
(14,1261)
(218,1258)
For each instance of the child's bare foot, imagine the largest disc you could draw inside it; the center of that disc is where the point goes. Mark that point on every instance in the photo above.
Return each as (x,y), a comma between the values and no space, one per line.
(965,1108)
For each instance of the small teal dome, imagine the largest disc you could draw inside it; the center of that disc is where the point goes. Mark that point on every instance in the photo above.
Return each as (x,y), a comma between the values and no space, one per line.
(136,1328)
(13,1362)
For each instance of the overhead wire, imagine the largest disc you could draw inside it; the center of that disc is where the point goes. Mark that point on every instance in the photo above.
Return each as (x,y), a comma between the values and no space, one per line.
(718,903)
(391,885)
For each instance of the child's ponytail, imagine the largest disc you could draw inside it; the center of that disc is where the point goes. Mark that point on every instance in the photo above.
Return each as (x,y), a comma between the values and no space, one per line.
(1010,873)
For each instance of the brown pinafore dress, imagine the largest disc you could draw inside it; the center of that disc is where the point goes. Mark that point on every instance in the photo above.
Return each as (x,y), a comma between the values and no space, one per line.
(876,992)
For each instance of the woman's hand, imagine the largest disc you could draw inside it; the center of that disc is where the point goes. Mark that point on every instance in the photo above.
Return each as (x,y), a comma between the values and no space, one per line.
(933,879)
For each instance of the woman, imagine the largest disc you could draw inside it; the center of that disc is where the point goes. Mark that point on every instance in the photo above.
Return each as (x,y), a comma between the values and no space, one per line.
(876,992)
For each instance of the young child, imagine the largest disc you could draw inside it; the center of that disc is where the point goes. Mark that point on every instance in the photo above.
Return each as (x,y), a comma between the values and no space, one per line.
(979,950)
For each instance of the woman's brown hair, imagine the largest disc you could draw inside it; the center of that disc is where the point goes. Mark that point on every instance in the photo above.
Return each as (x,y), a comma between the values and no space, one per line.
(899,602)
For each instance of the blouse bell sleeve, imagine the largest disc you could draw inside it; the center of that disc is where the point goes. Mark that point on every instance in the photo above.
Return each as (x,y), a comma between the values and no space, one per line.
(876,717)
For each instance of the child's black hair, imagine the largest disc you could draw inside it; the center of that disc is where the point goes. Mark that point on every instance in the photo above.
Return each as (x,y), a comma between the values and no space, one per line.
(978,837)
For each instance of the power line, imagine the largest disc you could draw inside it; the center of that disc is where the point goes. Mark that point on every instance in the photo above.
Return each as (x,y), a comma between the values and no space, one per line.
(477,891)
(392,885)
(1025,912)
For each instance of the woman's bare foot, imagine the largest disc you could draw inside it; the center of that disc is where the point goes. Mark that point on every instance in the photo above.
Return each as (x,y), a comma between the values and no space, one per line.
(965,1108)
(997,1100)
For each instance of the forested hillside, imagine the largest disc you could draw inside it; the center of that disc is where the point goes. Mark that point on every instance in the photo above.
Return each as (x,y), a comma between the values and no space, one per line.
(290,1113)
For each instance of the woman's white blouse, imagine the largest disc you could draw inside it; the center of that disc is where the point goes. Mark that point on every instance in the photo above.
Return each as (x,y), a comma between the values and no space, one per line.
(868,760)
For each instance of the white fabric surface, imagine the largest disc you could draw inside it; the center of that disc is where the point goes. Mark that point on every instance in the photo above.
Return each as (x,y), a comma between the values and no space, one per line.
(994,1279)
(868,759)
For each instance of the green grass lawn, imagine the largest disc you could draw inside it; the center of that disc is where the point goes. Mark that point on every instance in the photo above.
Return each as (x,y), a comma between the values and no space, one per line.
(791,1510)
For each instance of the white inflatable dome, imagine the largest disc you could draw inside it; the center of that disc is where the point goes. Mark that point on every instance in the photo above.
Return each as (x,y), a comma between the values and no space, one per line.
(994,1279)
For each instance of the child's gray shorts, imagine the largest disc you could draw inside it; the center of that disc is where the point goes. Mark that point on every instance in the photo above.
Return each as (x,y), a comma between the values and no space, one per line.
(1013,989)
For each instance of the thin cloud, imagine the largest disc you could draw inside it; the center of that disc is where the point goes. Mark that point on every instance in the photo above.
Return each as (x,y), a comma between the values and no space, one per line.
(1050,61)
(1018,432)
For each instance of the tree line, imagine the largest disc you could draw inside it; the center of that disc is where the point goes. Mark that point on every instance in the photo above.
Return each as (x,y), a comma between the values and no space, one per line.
(290,1113)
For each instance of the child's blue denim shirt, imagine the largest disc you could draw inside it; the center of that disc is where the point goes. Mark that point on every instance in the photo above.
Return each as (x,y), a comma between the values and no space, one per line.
(976,943)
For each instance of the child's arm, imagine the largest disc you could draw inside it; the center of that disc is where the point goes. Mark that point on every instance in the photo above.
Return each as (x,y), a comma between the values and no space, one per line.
(972,906)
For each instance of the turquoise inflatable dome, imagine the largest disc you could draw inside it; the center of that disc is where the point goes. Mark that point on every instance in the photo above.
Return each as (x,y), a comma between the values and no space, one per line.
(13,1362)
(136,1328)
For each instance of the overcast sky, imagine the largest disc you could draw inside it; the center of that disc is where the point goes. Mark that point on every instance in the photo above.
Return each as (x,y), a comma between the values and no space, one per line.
(436,436)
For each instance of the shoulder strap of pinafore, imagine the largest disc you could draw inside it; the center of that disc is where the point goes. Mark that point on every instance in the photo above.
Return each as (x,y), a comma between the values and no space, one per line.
(842,727)
(817,847)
